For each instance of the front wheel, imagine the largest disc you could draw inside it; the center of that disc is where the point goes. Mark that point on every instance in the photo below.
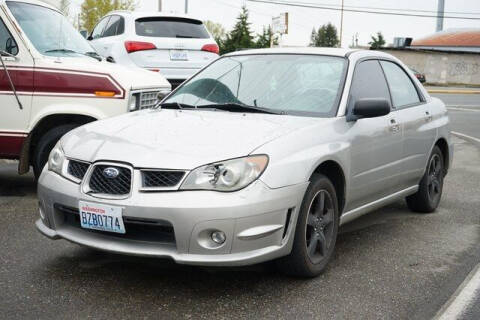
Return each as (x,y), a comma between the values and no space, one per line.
(429,193)
(316,230)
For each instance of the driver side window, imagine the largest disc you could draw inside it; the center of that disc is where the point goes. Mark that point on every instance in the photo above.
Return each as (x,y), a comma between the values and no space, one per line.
(97,31)
(7,43)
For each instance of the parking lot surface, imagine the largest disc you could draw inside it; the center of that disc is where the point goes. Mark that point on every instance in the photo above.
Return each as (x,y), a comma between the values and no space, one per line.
(389,264)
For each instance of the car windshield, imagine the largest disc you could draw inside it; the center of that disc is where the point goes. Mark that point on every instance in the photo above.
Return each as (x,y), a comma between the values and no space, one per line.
(170,27)
(48,30)
(291,83)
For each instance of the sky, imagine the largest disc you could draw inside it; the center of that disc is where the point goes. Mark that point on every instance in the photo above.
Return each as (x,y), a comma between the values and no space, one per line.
(302,20)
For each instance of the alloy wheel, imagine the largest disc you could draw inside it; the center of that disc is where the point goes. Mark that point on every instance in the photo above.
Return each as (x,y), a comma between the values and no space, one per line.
(434,178)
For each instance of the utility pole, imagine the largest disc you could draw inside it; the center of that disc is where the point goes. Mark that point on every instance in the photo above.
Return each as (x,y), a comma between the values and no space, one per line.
(341,25)
(159,5)
(186,6)
(440,13)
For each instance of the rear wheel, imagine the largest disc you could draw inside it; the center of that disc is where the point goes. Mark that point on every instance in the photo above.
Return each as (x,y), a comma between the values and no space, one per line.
(428,196)
(45,145)
(316,230)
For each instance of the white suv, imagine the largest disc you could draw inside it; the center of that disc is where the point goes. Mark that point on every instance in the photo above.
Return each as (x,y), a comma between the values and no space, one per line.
(176,46)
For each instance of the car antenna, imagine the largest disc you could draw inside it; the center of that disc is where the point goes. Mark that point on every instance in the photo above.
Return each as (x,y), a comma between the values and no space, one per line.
(2,53)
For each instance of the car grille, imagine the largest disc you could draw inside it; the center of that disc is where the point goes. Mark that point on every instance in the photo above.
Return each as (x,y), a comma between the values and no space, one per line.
(77,169)
(148,100)
(119,185)
(161,179)
(138,229)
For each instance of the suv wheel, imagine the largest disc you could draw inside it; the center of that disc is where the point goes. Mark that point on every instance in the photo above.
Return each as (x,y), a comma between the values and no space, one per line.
(428,196)
(316,230)
(45,145)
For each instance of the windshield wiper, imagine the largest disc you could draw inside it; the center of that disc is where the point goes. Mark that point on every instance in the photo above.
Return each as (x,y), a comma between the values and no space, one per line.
(90,54)
(175,105)
(94,55)
(61,50)
(240,107)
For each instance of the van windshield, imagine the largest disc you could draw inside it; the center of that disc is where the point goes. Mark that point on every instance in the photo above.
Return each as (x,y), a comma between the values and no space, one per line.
(295,84)
(49,31)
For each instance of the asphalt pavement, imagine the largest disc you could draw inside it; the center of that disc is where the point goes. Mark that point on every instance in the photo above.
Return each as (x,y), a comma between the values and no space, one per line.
(390,264)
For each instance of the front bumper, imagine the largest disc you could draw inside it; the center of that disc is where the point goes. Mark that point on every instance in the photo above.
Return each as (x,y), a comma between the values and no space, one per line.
(259,222)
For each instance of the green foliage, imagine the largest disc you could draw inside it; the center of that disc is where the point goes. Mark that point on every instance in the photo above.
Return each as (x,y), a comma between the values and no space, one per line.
(263,40)
(240,37)
(93,10)
(377,42)
(326,36)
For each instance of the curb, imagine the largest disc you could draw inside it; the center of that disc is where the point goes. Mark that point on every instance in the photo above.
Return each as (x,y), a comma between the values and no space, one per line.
(465,137)
(453,91)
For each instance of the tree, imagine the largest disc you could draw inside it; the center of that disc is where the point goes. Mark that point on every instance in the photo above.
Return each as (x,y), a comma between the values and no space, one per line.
(266,38)
(377,42)
(240,37)
(216,29)
(326,36)
(93,10)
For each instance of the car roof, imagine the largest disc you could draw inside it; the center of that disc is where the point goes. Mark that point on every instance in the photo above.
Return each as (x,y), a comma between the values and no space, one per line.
(147,14)
(339,52)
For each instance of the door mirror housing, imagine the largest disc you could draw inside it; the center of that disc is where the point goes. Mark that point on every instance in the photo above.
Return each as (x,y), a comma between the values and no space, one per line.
(369,108)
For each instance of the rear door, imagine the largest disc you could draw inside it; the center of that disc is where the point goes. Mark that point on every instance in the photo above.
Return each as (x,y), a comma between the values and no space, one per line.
(376,143)
(179,43)
(416,117)
(19,63)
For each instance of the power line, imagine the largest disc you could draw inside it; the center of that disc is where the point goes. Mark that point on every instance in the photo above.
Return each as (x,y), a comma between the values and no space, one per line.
(294,4)
(379,8)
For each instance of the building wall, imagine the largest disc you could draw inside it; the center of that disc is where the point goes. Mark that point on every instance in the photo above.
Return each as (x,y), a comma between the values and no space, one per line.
(442,68)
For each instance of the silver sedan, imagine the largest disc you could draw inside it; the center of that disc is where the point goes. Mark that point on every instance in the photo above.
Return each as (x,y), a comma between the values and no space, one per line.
(260,156)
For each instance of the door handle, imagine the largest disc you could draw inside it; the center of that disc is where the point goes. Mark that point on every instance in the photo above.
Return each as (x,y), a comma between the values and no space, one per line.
(429,117)
(394,126)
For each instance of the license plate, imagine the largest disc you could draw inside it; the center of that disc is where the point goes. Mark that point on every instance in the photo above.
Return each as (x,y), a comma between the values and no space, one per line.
(178,55)
(101,217)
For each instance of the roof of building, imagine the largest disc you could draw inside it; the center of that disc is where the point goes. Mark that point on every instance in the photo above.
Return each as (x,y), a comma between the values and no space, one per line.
(451,38)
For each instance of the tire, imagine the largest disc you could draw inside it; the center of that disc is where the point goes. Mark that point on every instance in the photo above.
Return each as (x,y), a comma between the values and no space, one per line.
(45,145)
(430,189)
(304,260)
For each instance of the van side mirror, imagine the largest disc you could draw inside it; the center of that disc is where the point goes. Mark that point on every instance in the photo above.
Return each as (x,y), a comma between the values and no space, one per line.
(369,108)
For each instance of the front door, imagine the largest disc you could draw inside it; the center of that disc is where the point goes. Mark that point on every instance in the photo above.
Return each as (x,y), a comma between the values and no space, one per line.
(19,63)
(376,144)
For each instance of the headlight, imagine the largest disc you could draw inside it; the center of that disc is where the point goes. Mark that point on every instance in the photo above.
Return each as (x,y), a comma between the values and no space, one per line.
(132,104)
(230,175)
(56,159)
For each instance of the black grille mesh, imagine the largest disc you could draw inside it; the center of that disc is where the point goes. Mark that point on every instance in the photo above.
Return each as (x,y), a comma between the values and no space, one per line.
(153,179)
(119,185)
(77,169)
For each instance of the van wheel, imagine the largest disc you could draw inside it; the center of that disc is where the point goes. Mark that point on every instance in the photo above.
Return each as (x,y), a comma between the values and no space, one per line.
(429,193)
(316,231)
(45,145)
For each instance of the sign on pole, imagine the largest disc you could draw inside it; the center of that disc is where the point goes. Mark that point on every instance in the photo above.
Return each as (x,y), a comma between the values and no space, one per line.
(280,23)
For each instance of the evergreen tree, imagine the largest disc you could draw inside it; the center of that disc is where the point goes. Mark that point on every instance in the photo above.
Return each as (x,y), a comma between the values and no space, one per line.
(263,40)
(377,42)
(326,36)
(240,37)
(93,10)
(313,38)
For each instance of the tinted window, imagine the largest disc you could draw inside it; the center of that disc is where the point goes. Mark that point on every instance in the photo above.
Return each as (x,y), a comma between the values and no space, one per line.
(97,32)
(7,43)
(297,84)
(115,27)
(368,82)
(165,27)
(402,89)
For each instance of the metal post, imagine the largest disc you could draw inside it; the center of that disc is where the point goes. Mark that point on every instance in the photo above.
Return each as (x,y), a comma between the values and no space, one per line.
(159,5)
(341,25)
(440,13)
(186,6)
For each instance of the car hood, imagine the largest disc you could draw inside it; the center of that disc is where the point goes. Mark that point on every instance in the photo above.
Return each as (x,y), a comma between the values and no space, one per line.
(173,139)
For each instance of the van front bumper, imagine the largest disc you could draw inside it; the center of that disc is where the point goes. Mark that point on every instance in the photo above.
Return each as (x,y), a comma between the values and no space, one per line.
(259,222)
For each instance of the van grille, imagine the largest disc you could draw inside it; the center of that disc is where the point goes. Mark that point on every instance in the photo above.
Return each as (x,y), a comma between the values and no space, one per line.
(148,100)
(119,185)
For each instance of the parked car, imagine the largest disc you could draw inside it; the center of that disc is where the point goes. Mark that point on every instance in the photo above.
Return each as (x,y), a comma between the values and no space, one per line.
(260,156)
(420,76)
(58,82)
(176,46)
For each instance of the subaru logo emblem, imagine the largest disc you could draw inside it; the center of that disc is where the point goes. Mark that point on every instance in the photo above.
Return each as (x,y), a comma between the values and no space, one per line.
(110,173)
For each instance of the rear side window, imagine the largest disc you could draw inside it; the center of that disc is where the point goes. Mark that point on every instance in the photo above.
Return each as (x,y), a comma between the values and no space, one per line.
(401,86)
(115,26)
(97,31)
(166,27)
(7,43)
(368,82)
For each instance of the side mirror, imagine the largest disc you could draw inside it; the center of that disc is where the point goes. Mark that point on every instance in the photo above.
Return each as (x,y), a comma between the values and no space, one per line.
(369,108)
(89,38)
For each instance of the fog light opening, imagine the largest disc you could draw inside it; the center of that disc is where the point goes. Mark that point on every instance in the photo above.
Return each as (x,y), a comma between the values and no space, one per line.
(218,237)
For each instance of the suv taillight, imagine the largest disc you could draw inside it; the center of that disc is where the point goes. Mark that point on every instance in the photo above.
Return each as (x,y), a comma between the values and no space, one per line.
(211,48)
(133,46)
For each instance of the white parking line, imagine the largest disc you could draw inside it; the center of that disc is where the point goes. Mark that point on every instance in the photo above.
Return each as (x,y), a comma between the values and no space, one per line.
(464,108)
(461,299)
(467,137)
